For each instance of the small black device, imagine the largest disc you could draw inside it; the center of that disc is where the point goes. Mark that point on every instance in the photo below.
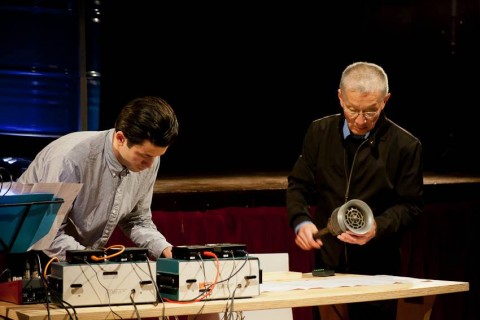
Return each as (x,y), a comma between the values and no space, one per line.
(83,256)
(228,250)
(323,272)
(130,254)
(191,252)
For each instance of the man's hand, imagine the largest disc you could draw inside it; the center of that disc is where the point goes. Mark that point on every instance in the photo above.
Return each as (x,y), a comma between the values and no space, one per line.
(167,253)
(304,238)
(360,239)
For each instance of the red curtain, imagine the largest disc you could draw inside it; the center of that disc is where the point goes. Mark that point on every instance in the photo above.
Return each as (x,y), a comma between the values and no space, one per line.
(261,229)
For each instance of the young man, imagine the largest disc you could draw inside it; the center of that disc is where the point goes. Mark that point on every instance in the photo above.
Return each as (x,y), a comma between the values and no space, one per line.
(358,154)
(118,168)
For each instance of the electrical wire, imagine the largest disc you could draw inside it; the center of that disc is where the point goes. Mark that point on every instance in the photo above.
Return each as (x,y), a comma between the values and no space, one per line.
(235,273)
(154,283)
(95,258)
(210,288)
(45,286)
(62,303)
(46,267)
(132,292)
(208,292)
(106,290)
(6,271)
(52,293)
(157,290)
(10,176)
(229,313)
(115,246)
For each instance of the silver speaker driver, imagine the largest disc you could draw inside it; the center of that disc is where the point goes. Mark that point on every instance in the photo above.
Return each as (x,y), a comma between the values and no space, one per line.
(354,215)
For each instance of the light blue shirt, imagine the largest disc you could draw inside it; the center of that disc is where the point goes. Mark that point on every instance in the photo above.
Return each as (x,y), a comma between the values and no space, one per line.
(110,196)
(346,131)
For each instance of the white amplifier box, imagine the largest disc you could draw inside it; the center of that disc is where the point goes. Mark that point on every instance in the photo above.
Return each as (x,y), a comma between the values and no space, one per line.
(106,283)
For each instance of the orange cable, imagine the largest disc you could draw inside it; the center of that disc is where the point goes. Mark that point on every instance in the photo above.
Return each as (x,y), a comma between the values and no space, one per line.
(47,265)
(122,249)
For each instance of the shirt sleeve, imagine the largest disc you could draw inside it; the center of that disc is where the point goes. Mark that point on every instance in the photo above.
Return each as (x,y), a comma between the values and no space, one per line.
(54,169)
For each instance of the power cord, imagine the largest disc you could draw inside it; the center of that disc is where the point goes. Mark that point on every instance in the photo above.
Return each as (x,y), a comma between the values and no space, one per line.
(132,292)
(106,257)
(52,293)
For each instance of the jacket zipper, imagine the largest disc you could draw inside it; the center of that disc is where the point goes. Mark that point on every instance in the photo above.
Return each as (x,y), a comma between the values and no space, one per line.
(347,192)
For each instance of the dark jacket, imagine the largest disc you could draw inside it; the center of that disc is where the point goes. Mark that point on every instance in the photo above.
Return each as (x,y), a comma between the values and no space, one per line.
(386,173)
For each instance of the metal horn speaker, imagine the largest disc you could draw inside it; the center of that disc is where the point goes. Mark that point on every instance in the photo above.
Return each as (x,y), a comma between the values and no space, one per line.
(354,215)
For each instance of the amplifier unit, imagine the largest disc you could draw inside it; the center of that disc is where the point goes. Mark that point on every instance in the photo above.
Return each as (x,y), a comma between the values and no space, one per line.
(189,280)
(105,283)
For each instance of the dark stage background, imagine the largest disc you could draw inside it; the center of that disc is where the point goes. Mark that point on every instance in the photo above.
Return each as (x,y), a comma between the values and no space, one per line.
(247,78)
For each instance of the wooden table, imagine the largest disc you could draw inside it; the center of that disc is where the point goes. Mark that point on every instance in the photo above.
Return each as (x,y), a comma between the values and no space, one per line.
(266,300)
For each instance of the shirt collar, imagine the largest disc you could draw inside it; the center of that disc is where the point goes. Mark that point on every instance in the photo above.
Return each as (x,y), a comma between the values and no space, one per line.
(346,132)
(116,168)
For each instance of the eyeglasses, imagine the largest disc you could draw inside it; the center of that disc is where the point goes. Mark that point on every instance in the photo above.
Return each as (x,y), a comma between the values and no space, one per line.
(366,114)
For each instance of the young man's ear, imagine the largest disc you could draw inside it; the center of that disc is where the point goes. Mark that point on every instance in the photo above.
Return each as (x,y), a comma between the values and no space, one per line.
(119,137)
